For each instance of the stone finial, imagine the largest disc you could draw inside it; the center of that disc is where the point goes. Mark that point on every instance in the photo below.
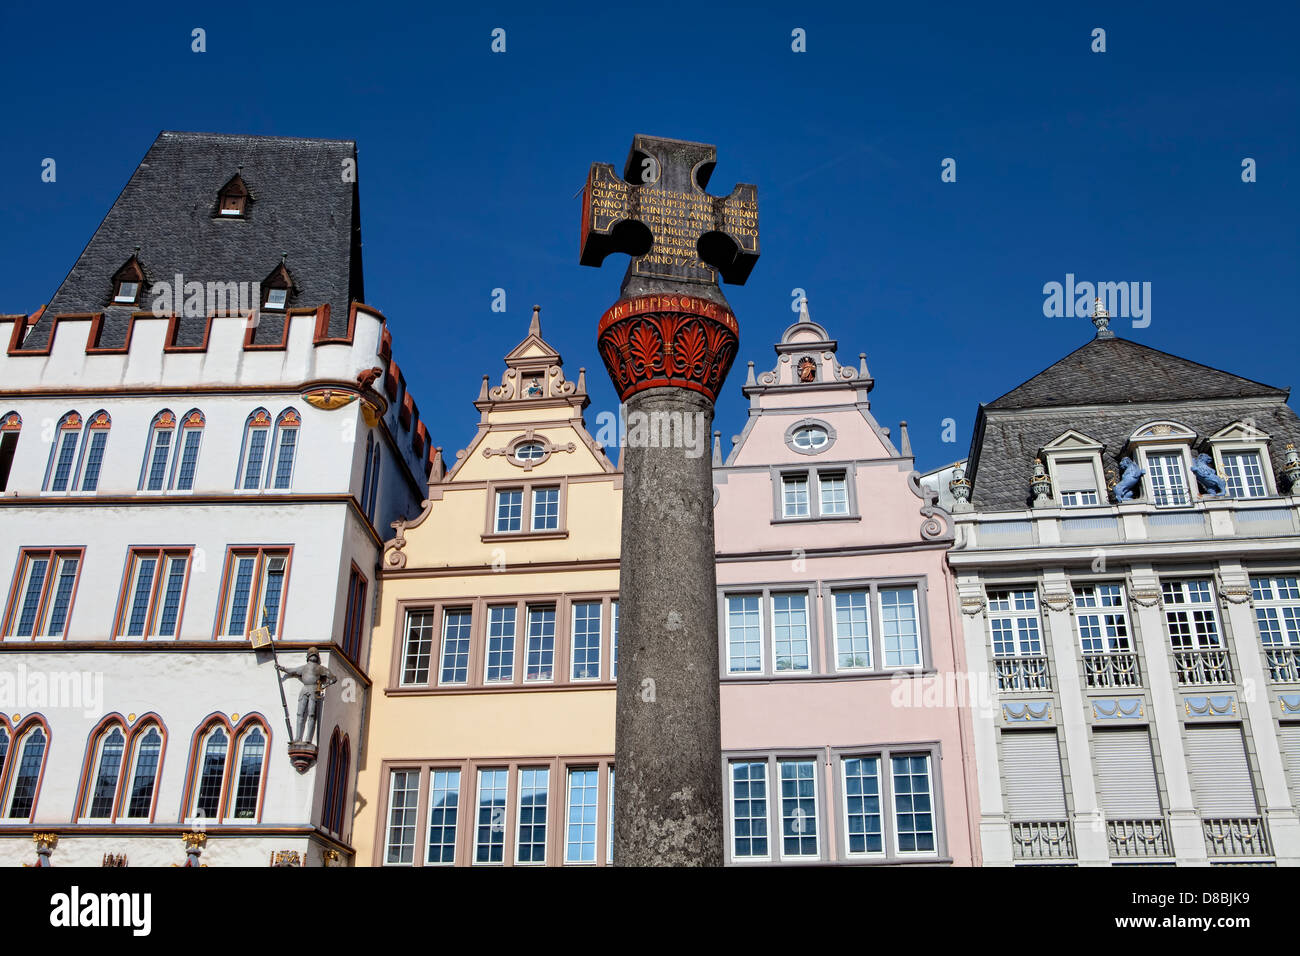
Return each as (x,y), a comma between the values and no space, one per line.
(749,378)
(582,381)
(803,309)
(717,448)
(904,442)
(438,470)
(483,390)
(960,489)
(1290,469)
(1101,319)
(1041,485)
(535,323)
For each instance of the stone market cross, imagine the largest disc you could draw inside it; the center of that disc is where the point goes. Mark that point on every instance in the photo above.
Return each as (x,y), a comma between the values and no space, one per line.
(660,215)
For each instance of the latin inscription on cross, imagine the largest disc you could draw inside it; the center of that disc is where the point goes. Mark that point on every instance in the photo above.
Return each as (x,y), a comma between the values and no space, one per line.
(660,215)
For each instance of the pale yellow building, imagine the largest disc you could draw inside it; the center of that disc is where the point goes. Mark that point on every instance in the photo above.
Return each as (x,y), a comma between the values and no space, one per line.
(491,735)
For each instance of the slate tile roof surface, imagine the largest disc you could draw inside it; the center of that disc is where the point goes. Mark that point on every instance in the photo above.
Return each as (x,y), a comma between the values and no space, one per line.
(300,206)
(1106,390)
(1119,371)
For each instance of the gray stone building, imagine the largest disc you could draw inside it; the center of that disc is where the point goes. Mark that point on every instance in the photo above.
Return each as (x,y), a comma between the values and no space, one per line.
(1127,560)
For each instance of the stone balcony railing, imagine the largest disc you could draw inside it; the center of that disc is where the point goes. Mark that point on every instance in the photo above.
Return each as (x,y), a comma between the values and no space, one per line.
(1022,673)
(1210,666)
(1283,664)
(1111,670)
(1236,836)
(1042,840)
(1138,839)
(1130,522)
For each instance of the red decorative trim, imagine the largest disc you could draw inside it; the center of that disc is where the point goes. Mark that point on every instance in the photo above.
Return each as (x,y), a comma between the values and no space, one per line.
(390,381)
(668,340)
(407,410)
(71,422)
(385,343)
(188,795)
(14,757)
(97,331)
(289,417)
(12,422)
(233,763)
(88,764)
(101,420)
(420,438)
(195,419)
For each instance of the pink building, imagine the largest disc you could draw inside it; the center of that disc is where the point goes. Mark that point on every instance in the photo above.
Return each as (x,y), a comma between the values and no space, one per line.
(843,733)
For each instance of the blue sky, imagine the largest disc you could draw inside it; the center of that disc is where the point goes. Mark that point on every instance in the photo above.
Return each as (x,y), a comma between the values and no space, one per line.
(1115,166)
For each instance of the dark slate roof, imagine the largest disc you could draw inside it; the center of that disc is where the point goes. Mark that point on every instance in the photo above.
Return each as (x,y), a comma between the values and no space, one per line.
(1004,452)
(1115,371)
(300,205)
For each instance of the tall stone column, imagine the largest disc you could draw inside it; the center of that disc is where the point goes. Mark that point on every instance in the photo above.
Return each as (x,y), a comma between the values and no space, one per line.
(668,344)
(668,729)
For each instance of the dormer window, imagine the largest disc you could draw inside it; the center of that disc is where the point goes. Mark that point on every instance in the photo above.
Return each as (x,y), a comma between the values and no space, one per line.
(128,281)
(1240,456)
(1074,465)
(1163,450)
(276,288)
(232,200)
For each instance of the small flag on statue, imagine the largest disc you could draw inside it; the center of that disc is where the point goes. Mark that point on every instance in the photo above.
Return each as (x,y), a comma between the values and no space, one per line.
(261,637)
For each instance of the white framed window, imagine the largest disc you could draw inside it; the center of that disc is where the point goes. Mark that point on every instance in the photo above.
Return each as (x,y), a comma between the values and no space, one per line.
(27,764)
(455,646)
(142,780)
(1190,614)
(403,800)
(531,816)
(509,510)
(444,812)
(417,650)
(1167,478)
(546,509)
(1102,617)
(799,815)
(1076,483)
(1277,618)
(254,595)
(127,293)
(864,818)
(490,832)
(211,775)
(46,583)
(500,658)
(1014,623)
(1244,471)
(744,634)
(790,640)
(900,627)
(794,496)
(186,459)
(246,787)
(749,810)
(586,640)
(810,438)
(276,299)
(914,818)
(852,608)
(530,451)
(101,800)
(540,650)
(158,451)
(286,449)
(834,495)
(257,435)
(581,821)
(155,588)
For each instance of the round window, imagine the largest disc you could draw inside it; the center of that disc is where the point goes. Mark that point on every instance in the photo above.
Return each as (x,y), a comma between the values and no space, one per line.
(810,437)
(530,451)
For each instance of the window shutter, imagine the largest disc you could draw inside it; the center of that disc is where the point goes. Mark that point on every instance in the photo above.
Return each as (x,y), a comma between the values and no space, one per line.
(1288,738)
(1075,476)
(1216,763)
(1126,774)
(1031,766)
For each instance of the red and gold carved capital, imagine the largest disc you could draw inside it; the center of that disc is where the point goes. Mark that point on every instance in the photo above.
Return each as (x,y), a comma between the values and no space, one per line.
(681,341)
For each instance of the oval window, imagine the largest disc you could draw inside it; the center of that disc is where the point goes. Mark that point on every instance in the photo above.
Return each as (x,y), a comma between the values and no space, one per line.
(530,451)
(810,437)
